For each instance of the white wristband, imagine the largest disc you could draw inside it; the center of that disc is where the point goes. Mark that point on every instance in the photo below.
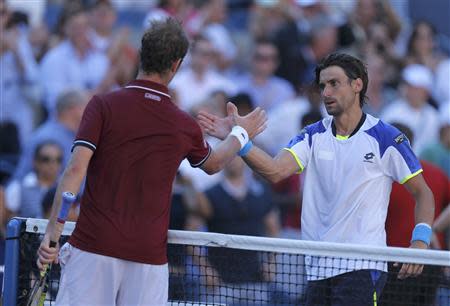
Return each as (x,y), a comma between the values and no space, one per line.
(241,134)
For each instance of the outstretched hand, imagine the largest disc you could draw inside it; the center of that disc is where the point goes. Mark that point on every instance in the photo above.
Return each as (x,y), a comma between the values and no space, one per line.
(214,125)
(254,123)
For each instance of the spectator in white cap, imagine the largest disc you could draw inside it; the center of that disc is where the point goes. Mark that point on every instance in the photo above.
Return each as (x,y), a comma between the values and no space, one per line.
(439,152)
(413,108)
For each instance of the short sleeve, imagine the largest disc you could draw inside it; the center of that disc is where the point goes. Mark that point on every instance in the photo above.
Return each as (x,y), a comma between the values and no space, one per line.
(299,147)
(399,160)
(91,125)
(199,147)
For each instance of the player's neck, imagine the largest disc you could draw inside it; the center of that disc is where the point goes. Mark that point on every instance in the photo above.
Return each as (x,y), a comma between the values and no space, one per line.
(154,77)
(347,122)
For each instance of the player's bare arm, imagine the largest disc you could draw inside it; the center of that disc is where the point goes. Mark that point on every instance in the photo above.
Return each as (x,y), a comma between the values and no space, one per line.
(273,169)
(419,189)
(424,213)
(71,181)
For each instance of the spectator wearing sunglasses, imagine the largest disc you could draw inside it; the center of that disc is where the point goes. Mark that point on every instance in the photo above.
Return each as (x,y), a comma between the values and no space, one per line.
(23,197)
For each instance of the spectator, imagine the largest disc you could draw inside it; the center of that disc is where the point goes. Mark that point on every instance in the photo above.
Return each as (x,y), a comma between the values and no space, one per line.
(199,75)
(102,18)
(277,135)
(215,14)
(47,202)
(242,206)
(399,225)
(369,12)
(39,38)
(61,130)
(266,90)
(9,150)
(380,95)
(300,51)
(84,67)
(266,17)
(413,109)
(122,56)
(438,153)
(180,9)
(24,196)
(422,46)
(186,203)
(19,74)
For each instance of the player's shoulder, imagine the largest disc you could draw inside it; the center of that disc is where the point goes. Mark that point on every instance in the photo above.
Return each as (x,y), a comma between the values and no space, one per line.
(318,127)
(311,130)
(381,130)
(385,134)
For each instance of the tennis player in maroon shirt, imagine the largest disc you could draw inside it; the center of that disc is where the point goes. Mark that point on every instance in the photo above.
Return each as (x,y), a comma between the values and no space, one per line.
(129,146)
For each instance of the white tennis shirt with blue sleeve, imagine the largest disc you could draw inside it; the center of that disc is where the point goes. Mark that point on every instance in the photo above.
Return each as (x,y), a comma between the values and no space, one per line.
(347,186)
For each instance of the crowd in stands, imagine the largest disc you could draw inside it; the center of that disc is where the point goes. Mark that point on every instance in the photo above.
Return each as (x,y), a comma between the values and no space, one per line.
(48,75)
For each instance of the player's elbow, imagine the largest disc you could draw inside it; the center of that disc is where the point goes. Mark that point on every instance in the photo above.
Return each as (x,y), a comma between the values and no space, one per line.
(275,178)
(212,166)
(75,170)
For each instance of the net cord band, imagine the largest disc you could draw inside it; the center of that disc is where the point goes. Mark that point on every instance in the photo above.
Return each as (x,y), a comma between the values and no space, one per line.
(289,246)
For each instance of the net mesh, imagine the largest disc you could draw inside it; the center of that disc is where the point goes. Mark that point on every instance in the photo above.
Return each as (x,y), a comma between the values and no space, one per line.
(208,270)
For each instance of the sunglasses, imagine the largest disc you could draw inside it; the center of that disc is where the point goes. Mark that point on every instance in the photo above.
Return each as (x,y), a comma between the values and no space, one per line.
(49,159)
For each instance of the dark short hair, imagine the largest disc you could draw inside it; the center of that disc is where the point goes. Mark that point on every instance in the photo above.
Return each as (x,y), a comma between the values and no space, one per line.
(353,67)
(41,145)
(163,43)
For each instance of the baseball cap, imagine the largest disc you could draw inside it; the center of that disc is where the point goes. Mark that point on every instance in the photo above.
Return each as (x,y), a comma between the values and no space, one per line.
(418,76)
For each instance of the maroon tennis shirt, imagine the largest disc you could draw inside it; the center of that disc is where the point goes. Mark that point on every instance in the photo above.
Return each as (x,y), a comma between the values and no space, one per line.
(139,138)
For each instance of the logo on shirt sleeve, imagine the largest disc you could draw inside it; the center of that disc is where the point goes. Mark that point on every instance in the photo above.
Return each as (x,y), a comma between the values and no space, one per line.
(400,138)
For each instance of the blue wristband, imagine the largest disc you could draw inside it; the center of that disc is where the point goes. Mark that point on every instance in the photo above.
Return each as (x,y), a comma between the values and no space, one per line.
(422,232)
(246,148)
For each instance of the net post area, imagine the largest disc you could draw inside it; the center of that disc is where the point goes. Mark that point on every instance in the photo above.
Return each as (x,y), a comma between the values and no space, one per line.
(10,279)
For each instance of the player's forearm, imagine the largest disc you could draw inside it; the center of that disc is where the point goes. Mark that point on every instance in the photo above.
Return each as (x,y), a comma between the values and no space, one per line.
(424,211)
(71,181)
(222,154)
(264,164)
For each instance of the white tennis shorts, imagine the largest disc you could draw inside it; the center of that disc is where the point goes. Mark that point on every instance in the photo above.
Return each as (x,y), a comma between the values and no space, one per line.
(89,279)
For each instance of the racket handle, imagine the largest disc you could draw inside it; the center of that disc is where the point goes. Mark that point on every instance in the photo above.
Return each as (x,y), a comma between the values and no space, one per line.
(66,202)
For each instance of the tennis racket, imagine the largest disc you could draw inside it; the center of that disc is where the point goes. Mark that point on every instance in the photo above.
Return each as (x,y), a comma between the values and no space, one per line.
(40,287)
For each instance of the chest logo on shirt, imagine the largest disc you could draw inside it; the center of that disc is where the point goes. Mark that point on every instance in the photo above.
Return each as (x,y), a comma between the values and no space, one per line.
(368,158)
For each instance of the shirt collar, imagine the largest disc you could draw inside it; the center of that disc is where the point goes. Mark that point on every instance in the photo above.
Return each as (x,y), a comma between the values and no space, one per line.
(149,86)
(358,127)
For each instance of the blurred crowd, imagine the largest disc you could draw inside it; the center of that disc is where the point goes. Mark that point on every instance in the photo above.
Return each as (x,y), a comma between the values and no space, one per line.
(254,53)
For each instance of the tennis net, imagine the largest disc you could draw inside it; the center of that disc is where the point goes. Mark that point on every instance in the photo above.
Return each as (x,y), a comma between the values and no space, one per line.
(218,269)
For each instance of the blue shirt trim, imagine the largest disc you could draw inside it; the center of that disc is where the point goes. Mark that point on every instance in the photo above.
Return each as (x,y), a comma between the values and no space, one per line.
(386,135)
(311,129)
